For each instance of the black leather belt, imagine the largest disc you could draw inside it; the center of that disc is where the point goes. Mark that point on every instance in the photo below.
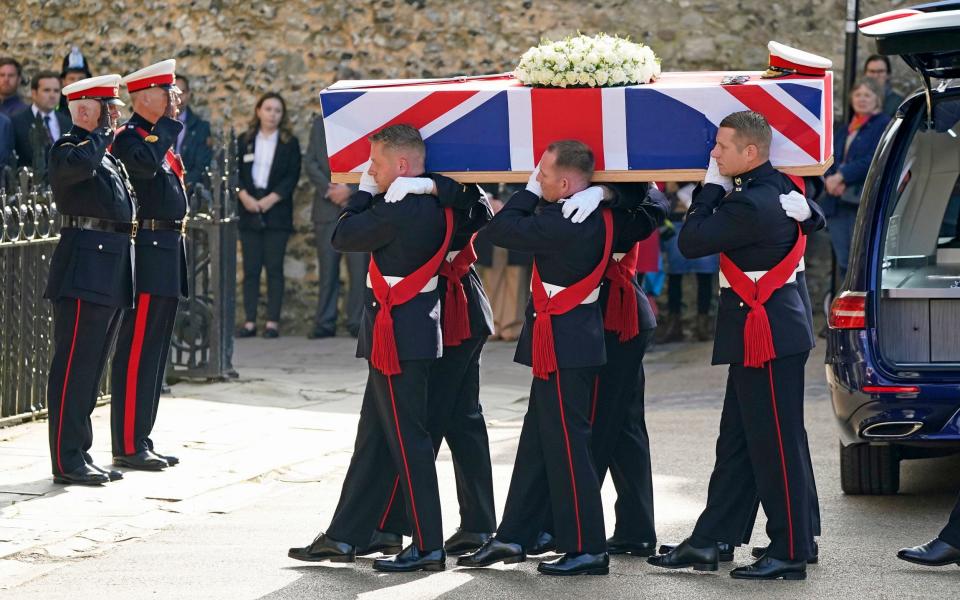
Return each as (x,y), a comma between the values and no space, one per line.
(89,223)
(158,225)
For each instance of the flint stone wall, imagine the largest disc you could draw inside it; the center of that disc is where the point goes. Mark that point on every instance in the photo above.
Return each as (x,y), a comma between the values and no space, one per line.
(233,51)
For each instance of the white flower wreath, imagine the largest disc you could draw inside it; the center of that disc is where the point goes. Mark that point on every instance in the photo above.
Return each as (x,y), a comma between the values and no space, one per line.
(584,61)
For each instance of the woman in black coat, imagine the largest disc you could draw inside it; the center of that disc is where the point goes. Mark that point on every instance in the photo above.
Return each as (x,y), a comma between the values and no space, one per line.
(269,158)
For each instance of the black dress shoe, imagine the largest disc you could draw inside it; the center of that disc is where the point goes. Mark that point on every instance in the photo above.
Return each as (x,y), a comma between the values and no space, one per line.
(318,333)
(246,333)
(724,550)
(412,558)
(616,545)
(144,460)
(761,551)
(685,555)
(492,552)
(323,548)
(772,568)
(465,541)
(85,475)
(171,460)
(935,553)
(545,543)
(271,333)
(384,542)
(110,473)
(580,563)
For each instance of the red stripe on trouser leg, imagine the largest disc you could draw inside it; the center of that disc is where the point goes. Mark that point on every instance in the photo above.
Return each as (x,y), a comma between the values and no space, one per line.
(406,467)
(133,369)
(66,378)
(783,459)
(573,477)
(593,405)
(393,494)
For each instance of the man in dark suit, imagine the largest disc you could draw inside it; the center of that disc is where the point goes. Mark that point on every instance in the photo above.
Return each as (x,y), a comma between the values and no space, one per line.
(145,146)
(562,339)
(193,142)
(36,129)
(401,337)
(764,333)
(328,200)
(91,273)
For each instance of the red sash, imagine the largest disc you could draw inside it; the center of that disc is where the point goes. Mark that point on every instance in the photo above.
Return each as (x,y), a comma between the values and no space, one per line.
(757,335)
(456,319)
(544,351)
(621,315)
(171,158)
(384,355)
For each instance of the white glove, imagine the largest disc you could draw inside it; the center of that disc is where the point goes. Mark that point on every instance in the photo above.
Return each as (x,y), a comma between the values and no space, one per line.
(368,183)
(532,184)
(713,176)
(582,204)
(402,186)
(795,205)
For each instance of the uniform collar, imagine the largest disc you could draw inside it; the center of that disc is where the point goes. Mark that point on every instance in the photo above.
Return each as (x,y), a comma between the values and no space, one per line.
(79,132)
(760,171)
(137,119)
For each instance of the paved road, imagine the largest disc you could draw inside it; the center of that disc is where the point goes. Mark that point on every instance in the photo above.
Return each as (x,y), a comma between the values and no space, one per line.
(230,541)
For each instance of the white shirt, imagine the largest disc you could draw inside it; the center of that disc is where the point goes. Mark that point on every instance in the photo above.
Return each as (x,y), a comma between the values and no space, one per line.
(52,123)
(264,149)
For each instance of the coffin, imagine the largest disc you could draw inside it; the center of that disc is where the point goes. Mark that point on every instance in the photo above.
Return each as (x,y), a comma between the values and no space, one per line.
(494,129)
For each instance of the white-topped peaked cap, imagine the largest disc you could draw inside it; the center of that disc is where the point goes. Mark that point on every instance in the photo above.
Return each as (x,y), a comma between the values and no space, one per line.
(161,74)
(786,60)
(103,87)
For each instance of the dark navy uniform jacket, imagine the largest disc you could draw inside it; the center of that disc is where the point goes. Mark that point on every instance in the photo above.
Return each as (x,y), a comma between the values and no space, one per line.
(87,181)
(161,255)
(474,212)
(639,210)
(564,252)
(751,228)
(402,237)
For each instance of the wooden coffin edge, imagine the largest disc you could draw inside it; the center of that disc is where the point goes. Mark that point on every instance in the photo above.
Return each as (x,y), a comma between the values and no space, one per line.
(599,176)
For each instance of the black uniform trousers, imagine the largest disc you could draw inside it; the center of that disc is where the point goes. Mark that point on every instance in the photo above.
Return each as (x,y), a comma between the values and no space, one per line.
(762,451)
(137,371)
(554,467)
(620,440)
(392,437)
(265,248)
(455,414)
(951,533)
(83,333)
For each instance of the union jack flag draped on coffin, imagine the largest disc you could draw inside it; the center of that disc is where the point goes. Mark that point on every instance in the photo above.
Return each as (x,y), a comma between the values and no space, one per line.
(483,128)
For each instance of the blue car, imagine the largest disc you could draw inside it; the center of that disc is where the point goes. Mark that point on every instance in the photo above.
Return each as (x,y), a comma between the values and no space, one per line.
(893,344)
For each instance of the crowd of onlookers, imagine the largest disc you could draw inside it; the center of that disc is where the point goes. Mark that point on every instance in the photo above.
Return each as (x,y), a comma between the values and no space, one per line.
(269,159)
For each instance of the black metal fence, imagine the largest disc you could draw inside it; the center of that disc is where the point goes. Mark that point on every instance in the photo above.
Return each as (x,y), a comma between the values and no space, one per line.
(202,344)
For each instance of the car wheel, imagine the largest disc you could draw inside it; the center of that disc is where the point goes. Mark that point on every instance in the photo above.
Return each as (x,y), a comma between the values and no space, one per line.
(869,469)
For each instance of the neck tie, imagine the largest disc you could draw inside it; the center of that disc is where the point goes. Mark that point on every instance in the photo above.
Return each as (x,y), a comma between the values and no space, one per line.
(46,125)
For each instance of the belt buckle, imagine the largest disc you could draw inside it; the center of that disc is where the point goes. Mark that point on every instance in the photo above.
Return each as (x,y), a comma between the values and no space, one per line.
(134,227)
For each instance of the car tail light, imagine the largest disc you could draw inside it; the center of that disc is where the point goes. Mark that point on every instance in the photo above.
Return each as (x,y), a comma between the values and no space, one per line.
(849,311)
(891,389)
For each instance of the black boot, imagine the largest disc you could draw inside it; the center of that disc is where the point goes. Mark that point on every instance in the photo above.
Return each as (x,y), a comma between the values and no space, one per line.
(580,563)
(384,542)
(492,552)
(761,551)
(772,568)
(724,550)
(935,553)
(412,558)
(545,543)
(463,542)
(616,545)
(685,555)
(324,548)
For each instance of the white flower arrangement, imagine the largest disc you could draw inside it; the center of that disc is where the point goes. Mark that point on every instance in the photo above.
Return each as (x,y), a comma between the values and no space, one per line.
(584,61)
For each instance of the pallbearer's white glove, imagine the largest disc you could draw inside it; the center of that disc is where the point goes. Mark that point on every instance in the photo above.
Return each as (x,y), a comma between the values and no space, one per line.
(713,176)
(582,204)
(368,183)
(402,186)
(532,184)
(795,205)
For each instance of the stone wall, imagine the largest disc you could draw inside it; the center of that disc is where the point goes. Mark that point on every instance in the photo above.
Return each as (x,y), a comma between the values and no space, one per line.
(233,51)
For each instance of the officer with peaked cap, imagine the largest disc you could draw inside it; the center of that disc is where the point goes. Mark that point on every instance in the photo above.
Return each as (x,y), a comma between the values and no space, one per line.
(91,273)
(145,146)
